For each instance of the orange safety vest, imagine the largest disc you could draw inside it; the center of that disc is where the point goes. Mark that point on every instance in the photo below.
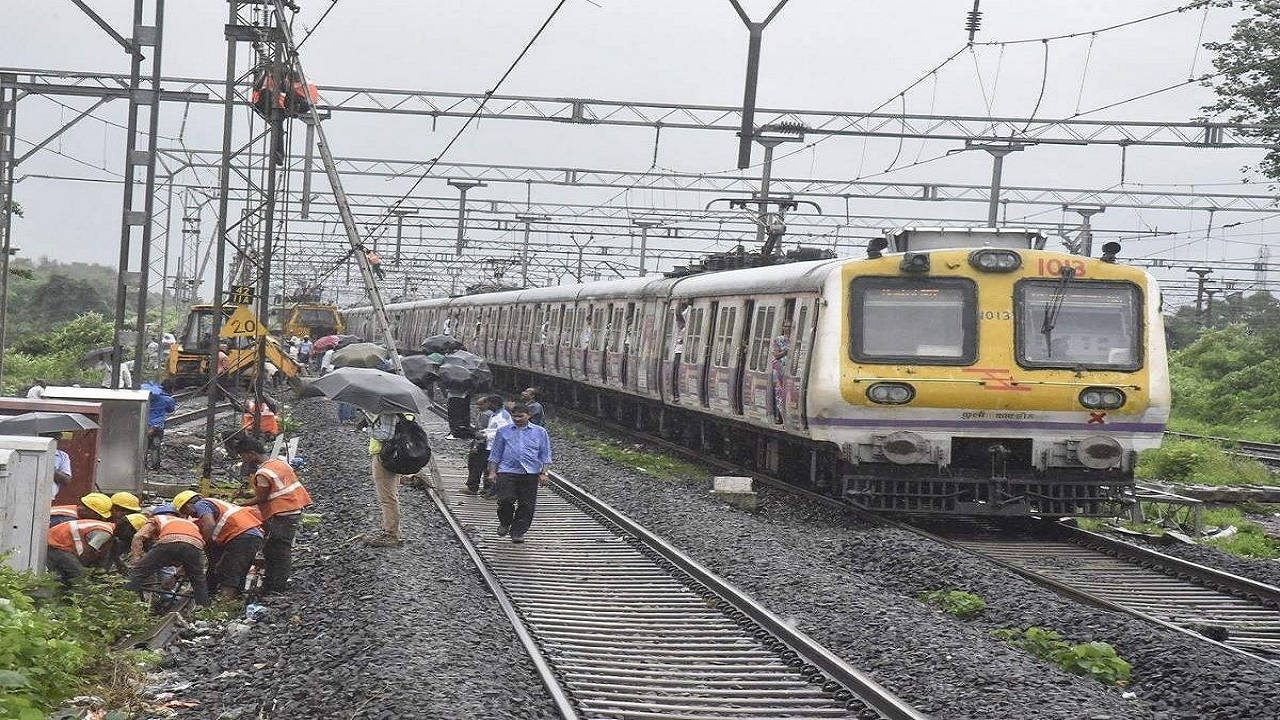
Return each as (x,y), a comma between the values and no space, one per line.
(170,525)
(63,513)
(286,492)
(270,424)
(70,536)
(233,520)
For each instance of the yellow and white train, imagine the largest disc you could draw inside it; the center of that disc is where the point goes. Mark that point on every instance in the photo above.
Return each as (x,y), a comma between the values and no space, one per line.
(951,371)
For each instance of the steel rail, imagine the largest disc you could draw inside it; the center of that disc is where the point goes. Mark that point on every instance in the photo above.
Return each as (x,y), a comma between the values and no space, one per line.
(1265,453)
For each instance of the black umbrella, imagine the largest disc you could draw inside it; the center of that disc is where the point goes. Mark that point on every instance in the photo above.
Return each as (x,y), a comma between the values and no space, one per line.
(96,355)
(442,344)
(39,423)
(371,390)
(419,369)
(464,358)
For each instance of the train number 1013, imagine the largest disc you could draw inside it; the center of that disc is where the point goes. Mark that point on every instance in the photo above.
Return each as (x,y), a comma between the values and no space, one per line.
(1053,266)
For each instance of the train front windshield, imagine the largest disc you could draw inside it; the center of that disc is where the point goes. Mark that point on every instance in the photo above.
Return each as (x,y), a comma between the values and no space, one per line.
(1095,325)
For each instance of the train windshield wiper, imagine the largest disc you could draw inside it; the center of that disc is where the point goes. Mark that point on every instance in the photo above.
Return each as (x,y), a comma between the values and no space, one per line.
(1054,307)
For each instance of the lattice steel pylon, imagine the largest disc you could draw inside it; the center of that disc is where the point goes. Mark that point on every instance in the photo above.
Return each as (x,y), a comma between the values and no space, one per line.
(137,226)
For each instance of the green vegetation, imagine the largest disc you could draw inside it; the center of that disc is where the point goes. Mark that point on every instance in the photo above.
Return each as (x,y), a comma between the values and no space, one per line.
(57,645)
(1097,660)
(658,465)
(1250,540)
(956,602)
(1200,462)
(1248,79)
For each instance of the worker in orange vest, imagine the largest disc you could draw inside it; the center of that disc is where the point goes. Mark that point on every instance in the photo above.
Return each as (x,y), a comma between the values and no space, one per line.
(270,423)
(375,263)
(280,497)
(76,545)
(232,537)
(94,506)
(166,540)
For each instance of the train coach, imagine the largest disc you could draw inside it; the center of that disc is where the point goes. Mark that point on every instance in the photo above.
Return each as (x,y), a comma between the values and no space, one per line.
(951,371)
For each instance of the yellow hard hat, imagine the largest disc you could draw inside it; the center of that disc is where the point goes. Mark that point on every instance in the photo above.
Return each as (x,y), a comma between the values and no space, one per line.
(98,503)
(137,520)
(126,500)
(183,498)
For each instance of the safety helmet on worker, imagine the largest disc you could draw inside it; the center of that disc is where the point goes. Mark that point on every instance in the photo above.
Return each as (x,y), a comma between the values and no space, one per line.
(181,499)
(98,503)
(126,500)
(137,520)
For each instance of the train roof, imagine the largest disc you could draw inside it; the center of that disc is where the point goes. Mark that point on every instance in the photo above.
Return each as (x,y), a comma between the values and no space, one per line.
(787,277)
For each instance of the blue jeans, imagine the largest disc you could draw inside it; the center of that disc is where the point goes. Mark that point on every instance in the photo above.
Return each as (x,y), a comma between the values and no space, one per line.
(346,412)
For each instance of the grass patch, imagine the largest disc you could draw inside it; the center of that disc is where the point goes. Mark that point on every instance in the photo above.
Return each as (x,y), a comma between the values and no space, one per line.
(649,463)
(54,645)
(956,602)
(1199,462)
(1097,660)
(1250,540)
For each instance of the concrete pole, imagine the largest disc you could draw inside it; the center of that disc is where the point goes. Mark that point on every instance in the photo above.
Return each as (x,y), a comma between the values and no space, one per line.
(1085,244)
(644,226)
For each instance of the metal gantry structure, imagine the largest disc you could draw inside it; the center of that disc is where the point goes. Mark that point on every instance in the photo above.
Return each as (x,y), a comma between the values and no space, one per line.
(289,224)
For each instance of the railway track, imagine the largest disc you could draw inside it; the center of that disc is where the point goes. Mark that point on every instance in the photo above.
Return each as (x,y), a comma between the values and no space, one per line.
(1265,453)
(1233,612)
(622,625)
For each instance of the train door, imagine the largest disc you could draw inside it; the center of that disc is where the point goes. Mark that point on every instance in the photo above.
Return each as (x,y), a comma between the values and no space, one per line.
(630,346)
(689,381)
(723,351)
(741,351)
(599,340)
(642,367)
(757,393)
(614,349)
(708,345)
(802,334)
(558,322)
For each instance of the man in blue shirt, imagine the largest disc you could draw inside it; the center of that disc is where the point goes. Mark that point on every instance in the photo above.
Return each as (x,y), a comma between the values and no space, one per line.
(518,461)
(159,407)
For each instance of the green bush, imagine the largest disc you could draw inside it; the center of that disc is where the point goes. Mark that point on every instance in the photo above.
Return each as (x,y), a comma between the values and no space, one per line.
(1199,462)
(54,356)
(1097,660)
(956,602)
(53,646)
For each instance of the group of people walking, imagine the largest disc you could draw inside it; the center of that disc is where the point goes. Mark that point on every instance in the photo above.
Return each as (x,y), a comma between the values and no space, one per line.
(509,458)
(214,541)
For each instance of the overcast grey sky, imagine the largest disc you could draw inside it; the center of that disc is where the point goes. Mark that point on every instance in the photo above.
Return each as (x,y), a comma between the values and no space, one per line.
(828,54)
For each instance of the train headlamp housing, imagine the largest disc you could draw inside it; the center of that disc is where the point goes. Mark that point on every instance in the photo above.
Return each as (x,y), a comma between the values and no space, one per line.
(914,263)
(1102,398)
(891,393)
(1099,452)
(905,448)
(993,260)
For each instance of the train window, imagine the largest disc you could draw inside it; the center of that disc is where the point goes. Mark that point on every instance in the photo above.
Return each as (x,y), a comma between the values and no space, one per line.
(723,349)
(798,346)
(1095,325)
(932,321)
(693,337)
(616,329)
(761,337)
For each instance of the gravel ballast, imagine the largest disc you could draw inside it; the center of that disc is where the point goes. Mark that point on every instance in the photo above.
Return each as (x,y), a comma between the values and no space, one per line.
(406,632)
(852,587)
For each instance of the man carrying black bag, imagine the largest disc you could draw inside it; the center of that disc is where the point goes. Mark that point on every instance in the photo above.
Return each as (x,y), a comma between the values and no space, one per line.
(397,447)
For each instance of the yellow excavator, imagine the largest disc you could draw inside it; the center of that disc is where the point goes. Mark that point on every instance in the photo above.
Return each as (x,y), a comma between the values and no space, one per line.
(188,363)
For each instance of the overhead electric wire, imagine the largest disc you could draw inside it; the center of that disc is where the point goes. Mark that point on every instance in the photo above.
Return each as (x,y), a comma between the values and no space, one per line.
(1117,26)
(305,38)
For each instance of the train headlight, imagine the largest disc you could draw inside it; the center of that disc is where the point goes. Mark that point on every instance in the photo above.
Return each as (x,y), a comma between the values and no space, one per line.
(891,393)
(905,448)
(1099,452)
(989,260)
(1102,398)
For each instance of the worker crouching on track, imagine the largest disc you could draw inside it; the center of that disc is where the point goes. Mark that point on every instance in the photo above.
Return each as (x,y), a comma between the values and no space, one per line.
(94,506)
(166,540)
(77,545)
(232,537)
(518,464)
(280,498)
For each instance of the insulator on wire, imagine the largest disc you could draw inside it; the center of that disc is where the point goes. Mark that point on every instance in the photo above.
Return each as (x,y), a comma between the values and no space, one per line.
(973,20)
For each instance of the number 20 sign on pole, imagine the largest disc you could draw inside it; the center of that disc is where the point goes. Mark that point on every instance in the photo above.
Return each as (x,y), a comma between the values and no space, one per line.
(242,323)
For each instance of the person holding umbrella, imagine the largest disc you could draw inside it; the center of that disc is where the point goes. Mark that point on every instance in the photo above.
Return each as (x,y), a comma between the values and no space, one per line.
(388,401)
